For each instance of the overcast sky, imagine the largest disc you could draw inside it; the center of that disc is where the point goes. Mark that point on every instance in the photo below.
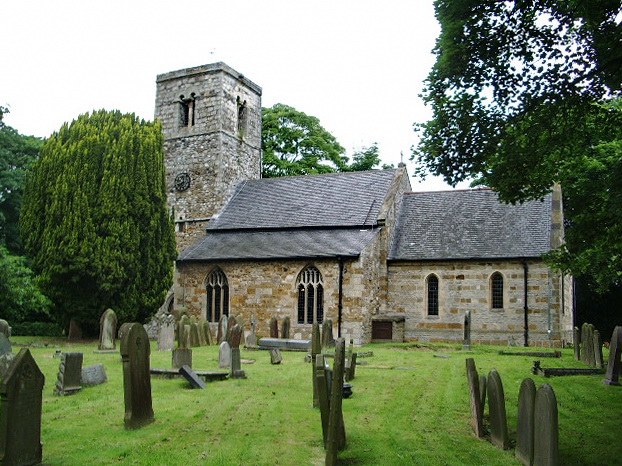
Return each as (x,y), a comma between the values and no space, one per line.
(357,65)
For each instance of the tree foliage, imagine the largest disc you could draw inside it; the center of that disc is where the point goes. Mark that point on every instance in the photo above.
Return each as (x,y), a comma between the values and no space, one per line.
(94,219)
(523,95)
(17,154)
(366,158)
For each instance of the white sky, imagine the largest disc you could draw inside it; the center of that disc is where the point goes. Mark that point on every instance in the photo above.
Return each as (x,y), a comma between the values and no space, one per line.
(357,65)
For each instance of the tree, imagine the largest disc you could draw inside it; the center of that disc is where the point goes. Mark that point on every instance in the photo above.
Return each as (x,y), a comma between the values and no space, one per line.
(366,158)
(295,143)
(17,153)
(523,95)
(94,219)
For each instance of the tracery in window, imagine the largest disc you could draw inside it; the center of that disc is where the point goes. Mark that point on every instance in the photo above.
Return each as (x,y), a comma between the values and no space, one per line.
(310,296)
(217,289)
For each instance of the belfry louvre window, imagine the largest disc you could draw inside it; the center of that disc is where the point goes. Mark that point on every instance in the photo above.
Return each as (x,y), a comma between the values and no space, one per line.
(310,296)
(217,295)
(432,295)
(496,289)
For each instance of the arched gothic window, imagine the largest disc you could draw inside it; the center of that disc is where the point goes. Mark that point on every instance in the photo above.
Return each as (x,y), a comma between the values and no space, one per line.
(432,291)
(496,290)
(310,296)
(217,295)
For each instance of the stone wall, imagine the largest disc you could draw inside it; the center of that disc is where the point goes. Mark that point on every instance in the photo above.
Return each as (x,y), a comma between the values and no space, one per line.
(465,285)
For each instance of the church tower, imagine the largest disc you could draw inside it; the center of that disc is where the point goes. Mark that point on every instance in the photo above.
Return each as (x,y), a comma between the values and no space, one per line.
(211,119)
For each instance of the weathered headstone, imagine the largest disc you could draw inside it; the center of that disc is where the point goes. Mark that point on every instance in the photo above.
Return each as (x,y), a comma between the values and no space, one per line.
(587,344)
(207,331)
(251,339)
(194,335)
(224,355)
(223,325)
(612,377)
(182,357)
(166,335)
(5,345)
(69,377)
(107,330)
(525,426)
(285,327)
(192,377)
(21,394)
(6,361)
(483,383)
(275,356)
(5,329)
(327,334)
(235,336)
(546,428)
(576,342)
(75,332)
(135,352)
(351,369)
(466,343)
(316,349)
(496,410)
(94,375)
(274,327)
(336,439)
(201,332)
(323,392)
(477,422)
(183,321)
(598,350)
(185,336)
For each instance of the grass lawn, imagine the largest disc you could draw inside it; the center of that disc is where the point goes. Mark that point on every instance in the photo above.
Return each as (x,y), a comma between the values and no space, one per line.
(408,407)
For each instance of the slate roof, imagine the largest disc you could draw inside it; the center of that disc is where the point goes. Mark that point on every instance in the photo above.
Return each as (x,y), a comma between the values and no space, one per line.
(296,217)
(471,224)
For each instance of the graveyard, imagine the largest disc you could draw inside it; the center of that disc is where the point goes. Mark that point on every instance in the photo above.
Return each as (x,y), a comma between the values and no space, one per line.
(410,405)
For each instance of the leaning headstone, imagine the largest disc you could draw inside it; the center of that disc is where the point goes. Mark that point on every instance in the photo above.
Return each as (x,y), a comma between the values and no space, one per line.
(5,345)
(496,410)
(182,357)
(274,327)
(546,428)
(5,329)
(483,382)
(336,440)
(285,326)
(466,343)
(194,335)
(69,377)
(107,330)
(207,331)
(251,339)
(477,422)
(275,356)
(93,375)
(75,332)
(576,341)
(21,394)
(598,350)
(316,349)
(192,377)
(135,351)
(224,355)
(166,335)
(612,376)
(525,426)
(323,392)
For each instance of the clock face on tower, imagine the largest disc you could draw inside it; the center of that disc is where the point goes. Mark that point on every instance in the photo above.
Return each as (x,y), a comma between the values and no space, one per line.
(182,181)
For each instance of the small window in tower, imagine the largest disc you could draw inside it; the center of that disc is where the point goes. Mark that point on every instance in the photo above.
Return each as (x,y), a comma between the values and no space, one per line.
(186,110)
(242,111)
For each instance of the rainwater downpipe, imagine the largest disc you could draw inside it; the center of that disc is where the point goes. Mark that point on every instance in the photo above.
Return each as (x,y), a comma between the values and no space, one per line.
(526,307)
(340,296)
(549,331)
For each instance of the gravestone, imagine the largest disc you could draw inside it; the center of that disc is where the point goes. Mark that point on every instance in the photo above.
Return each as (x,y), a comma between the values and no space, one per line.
(192,377)
(107,330)
(185,336)
(475,399)
(316,349)
(201,332)
(207,331)
(576,342)
(93,375)
(275,356)
(285,326)
(181,357)
(336,439)
(166,335)
(483,382)
(466,343)
(6,355)
(587,345)
(327,334)
(135,352)
(323,392)
(224,355)
(183,321)
(274,327)
(5,345)
(235,336)
(5,329)
(496,410)
(194,335)
(69,377)
(21,394)
(612,376)
(75,332)
(251,339)
(598,350)
(223,325)
(546,428)
(525,425)
(351,369)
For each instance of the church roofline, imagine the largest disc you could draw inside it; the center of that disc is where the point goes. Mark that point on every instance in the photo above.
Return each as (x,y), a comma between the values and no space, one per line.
(210,68)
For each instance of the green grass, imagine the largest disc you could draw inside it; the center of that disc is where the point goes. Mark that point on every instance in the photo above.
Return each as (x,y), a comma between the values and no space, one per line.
(416,415)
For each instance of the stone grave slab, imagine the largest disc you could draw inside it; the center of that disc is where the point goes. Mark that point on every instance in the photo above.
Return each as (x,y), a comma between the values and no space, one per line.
(69,378)
(576,343)
(477,422)
(525,425)
(316,348)
(612,377)
(496,410)
(224,355)
(169,373)
(107,330)
(275,356)
(166,334)
(5,345)
(274,327)
(93,375)
(336,438)
(285,345)
(535,354)
(285,328)
(546,428)
(192,377)
(236,369)
(181,357)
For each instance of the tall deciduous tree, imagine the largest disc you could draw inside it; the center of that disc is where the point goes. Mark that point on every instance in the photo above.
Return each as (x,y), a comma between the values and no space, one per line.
(523,95)
(94,218)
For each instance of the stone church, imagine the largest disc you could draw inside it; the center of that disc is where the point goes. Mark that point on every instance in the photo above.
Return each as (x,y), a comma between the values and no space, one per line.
(360,248)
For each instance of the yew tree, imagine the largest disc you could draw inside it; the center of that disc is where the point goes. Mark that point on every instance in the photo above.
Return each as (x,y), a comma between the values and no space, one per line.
(94,219)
